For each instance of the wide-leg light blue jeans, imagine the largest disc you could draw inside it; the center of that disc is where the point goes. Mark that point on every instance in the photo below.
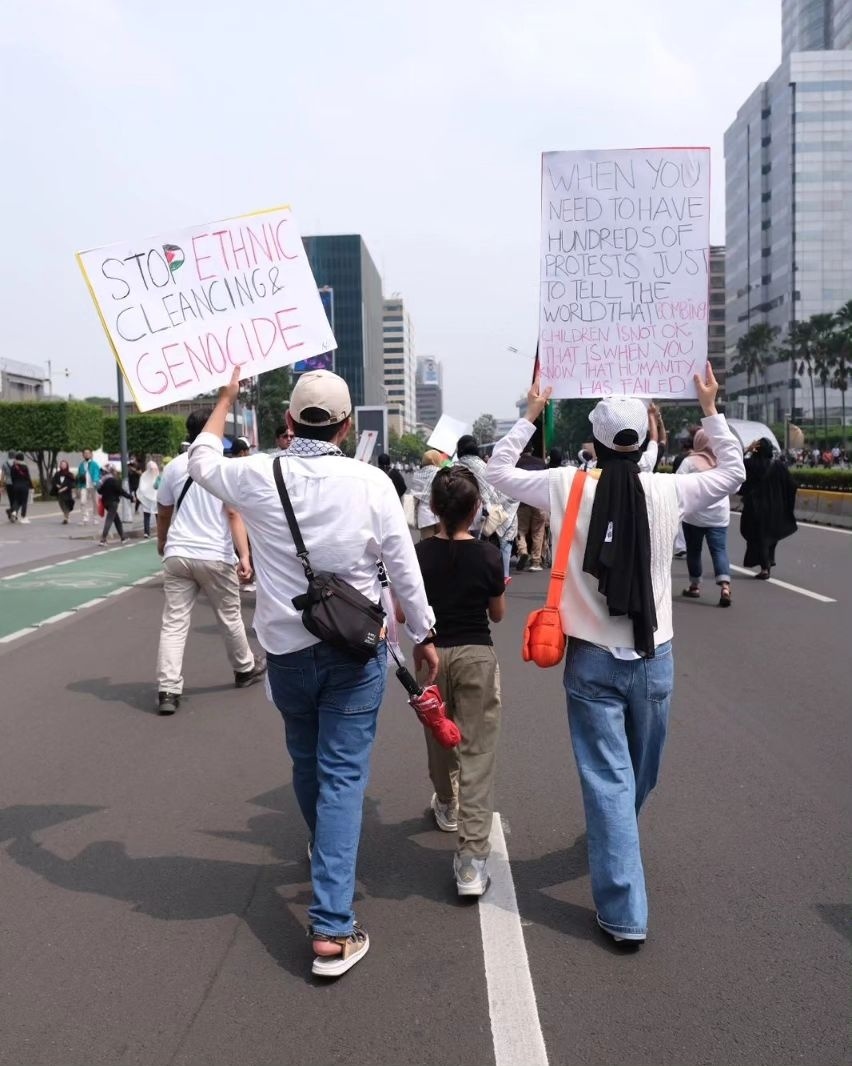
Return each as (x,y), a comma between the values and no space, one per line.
(618,713)
(330,705)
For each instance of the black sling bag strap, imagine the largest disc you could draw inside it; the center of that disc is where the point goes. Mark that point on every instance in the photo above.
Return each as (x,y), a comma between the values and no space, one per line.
(332,609)
(183,492)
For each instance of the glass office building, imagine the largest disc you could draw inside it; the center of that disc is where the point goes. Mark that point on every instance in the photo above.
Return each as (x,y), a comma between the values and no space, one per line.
(788,183)
(343,264)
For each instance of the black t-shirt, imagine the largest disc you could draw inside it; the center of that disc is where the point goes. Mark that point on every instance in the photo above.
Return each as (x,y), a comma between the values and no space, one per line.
(460,576)
(398,481)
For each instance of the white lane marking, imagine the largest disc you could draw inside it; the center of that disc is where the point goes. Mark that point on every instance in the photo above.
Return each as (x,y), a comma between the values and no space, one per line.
(72,611)
(785,585)
(812,525)
(18,633)
(53,618)
(515,1026)
(74,559)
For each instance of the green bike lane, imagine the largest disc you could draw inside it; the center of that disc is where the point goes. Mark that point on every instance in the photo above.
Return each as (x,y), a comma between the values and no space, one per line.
(49,593)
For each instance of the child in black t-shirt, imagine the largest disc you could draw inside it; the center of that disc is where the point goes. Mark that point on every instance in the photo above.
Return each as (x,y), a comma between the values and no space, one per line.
(465,586)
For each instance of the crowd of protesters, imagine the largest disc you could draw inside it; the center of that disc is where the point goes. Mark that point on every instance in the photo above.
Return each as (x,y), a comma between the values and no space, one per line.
(442,548)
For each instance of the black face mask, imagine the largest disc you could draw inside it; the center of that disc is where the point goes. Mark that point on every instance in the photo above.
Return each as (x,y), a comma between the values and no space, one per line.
(618,551)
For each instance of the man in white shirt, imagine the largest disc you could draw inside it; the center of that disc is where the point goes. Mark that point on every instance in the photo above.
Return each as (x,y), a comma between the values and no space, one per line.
(350,519)
(197,535)
(616,611)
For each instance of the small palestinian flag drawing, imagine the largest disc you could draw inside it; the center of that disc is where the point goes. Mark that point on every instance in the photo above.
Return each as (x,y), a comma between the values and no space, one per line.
(174,256)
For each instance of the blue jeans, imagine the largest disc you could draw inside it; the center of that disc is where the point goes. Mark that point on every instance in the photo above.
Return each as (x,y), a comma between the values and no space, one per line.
(618,712)
(330,705)
(717,542)
(506,553)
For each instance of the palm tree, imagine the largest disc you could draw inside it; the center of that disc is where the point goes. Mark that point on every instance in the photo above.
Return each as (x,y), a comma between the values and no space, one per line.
(823,327)
(800,340)
(755,353)
(843,354)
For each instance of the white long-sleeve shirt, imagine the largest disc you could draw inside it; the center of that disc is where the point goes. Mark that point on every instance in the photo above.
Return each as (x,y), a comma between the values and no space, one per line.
(693,493)
(349,516)
(584,611)
(713,515)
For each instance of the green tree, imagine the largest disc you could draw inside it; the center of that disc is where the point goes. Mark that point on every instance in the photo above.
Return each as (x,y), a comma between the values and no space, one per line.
(801,344)
(395,446)
(44,429)
(146,434)
(412,446)
(843,356)
(571,426)
(755,353)
(823,347)
(485,429)
(272,395)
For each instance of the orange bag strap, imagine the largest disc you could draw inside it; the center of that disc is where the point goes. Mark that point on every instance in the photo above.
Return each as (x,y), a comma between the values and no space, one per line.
(566,535)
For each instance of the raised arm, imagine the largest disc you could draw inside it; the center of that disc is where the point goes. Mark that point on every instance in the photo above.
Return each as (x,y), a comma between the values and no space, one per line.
(700,489)
(207,463)
(529,486)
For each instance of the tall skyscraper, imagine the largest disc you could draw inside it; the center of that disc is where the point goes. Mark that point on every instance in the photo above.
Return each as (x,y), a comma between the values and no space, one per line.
(430,396)
(788,176)
(716,325)
(344,264)
(400,366)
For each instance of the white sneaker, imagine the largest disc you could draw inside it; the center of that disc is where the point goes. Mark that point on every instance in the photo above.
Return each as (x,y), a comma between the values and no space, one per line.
(446,814)
(535,569)
(471,875)
(24,521)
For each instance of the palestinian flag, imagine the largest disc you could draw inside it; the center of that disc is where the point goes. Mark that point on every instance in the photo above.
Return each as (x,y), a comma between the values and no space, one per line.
(174,256)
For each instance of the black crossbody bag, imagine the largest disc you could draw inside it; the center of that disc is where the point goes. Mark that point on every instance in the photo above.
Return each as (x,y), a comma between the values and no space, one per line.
(331,608)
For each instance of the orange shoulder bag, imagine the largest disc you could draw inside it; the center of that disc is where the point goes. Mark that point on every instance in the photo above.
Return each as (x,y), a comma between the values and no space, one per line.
(544,641)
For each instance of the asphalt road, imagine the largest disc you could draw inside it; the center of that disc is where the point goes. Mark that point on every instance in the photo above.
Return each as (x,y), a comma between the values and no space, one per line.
(155,881)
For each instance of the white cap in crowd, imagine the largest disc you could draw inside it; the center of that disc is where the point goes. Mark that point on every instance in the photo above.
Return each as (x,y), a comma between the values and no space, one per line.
(323,394)
(615,414)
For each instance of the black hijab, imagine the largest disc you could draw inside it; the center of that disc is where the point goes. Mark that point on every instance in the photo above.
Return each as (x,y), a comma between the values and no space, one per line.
(618,550)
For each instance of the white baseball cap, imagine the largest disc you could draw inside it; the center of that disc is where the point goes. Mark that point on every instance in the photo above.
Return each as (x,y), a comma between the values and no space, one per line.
(325,394)
(615,414)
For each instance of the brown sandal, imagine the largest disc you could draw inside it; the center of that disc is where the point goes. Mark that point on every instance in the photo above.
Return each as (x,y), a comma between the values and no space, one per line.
(693,592)
(725,594)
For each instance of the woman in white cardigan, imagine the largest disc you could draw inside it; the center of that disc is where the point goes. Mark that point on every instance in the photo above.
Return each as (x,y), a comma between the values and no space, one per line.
(616,610)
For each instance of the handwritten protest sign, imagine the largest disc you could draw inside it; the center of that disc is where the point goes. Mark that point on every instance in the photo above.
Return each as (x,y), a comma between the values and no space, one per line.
(182,309)
(624,271)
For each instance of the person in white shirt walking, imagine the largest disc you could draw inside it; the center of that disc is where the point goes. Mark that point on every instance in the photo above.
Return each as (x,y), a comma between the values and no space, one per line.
(350,519)
(616,611)
(197,535)
(711,522)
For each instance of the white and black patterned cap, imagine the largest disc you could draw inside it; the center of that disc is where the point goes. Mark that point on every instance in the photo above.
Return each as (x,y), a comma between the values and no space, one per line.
(615,414)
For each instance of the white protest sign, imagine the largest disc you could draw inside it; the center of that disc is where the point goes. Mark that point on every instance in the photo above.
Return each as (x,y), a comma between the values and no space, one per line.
(624,271)
(366,445)
(182,309)
(445,435)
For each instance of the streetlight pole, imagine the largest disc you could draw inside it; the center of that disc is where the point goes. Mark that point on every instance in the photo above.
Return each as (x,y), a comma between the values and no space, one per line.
(122,426)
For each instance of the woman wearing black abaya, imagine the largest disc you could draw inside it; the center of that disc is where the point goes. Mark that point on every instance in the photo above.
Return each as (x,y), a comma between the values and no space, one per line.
(769,500)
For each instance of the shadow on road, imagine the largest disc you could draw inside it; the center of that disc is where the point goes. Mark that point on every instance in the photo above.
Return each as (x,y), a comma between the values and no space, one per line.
(838,916)
(266,896)
(140,695)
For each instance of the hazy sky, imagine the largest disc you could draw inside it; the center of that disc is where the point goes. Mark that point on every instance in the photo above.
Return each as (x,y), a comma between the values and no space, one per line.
(419,126)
